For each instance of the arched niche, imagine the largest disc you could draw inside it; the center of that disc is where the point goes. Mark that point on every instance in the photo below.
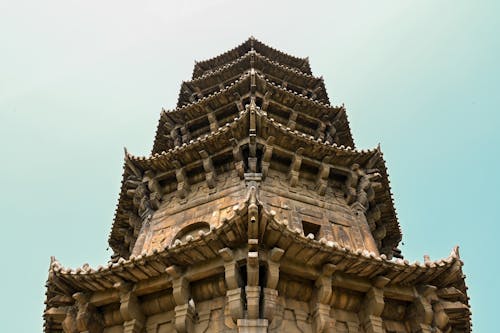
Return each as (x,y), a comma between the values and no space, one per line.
(191,230)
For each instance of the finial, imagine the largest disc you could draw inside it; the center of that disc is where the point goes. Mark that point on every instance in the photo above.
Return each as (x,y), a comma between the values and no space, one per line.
(427,259)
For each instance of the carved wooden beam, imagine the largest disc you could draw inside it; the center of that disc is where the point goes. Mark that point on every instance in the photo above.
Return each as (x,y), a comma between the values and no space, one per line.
(373,306)
(252,145)
(186,136)
(420,313)
(266,156)
(322,176)
(175,134)
(214,124)
(130,309)
(208,166)
(239,102)
(253,85)
(239,164)
(232,273)
(292,120)
(87,317)
(252,288)
(432,310)
(266,100)
(320,302)
(270,294)
(273,264)
(320,130)
(198,92)
(184,311)
(233,282)
(293,174)
(182,180)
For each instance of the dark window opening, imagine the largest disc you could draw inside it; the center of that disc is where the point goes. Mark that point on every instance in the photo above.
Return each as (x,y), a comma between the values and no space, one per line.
(311,228)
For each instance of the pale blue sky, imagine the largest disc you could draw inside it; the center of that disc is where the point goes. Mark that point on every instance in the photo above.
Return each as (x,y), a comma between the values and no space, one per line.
(81,79)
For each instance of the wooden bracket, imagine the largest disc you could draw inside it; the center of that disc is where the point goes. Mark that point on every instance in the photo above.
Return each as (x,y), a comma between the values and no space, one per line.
(182,180)
(208,166)
(293,174)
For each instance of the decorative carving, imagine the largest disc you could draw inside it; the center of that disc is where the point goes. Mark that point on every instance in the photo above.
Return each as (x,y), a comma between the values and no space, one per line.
(87,317)
(292,120)
(182,180)
(234,282)
(360,185)
(293,173)
(208,166)
(267,154)
(130,309)
(69,322)
(371,310)
(252,289)
(239,164)
(214,125)
(179,273)
(322,176)
(320,302)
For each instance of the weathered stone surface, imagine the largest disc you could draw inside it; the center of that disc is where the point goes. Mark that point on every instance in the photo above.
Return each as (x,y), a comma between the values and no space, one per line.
(256,214)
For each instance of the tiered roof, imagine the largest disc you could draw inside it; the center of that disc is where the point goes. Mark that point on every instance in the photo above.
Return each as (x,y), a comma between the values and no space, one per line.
(245,112)
(202,67)
(229,82)
(354,269)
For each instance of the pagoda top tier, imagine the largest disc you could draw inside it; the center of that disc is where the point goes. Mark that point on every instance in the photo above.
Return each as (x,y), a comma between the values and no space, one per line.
(251,44)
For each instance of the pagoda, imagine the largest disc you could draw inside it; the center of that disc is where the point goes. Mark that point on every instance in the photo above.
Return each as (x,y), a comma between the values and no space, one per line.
(256,213)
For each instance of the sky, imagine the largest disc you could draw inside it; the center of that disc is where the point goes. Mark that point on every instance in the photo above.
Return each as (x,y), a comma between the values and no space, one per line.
(79,80)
